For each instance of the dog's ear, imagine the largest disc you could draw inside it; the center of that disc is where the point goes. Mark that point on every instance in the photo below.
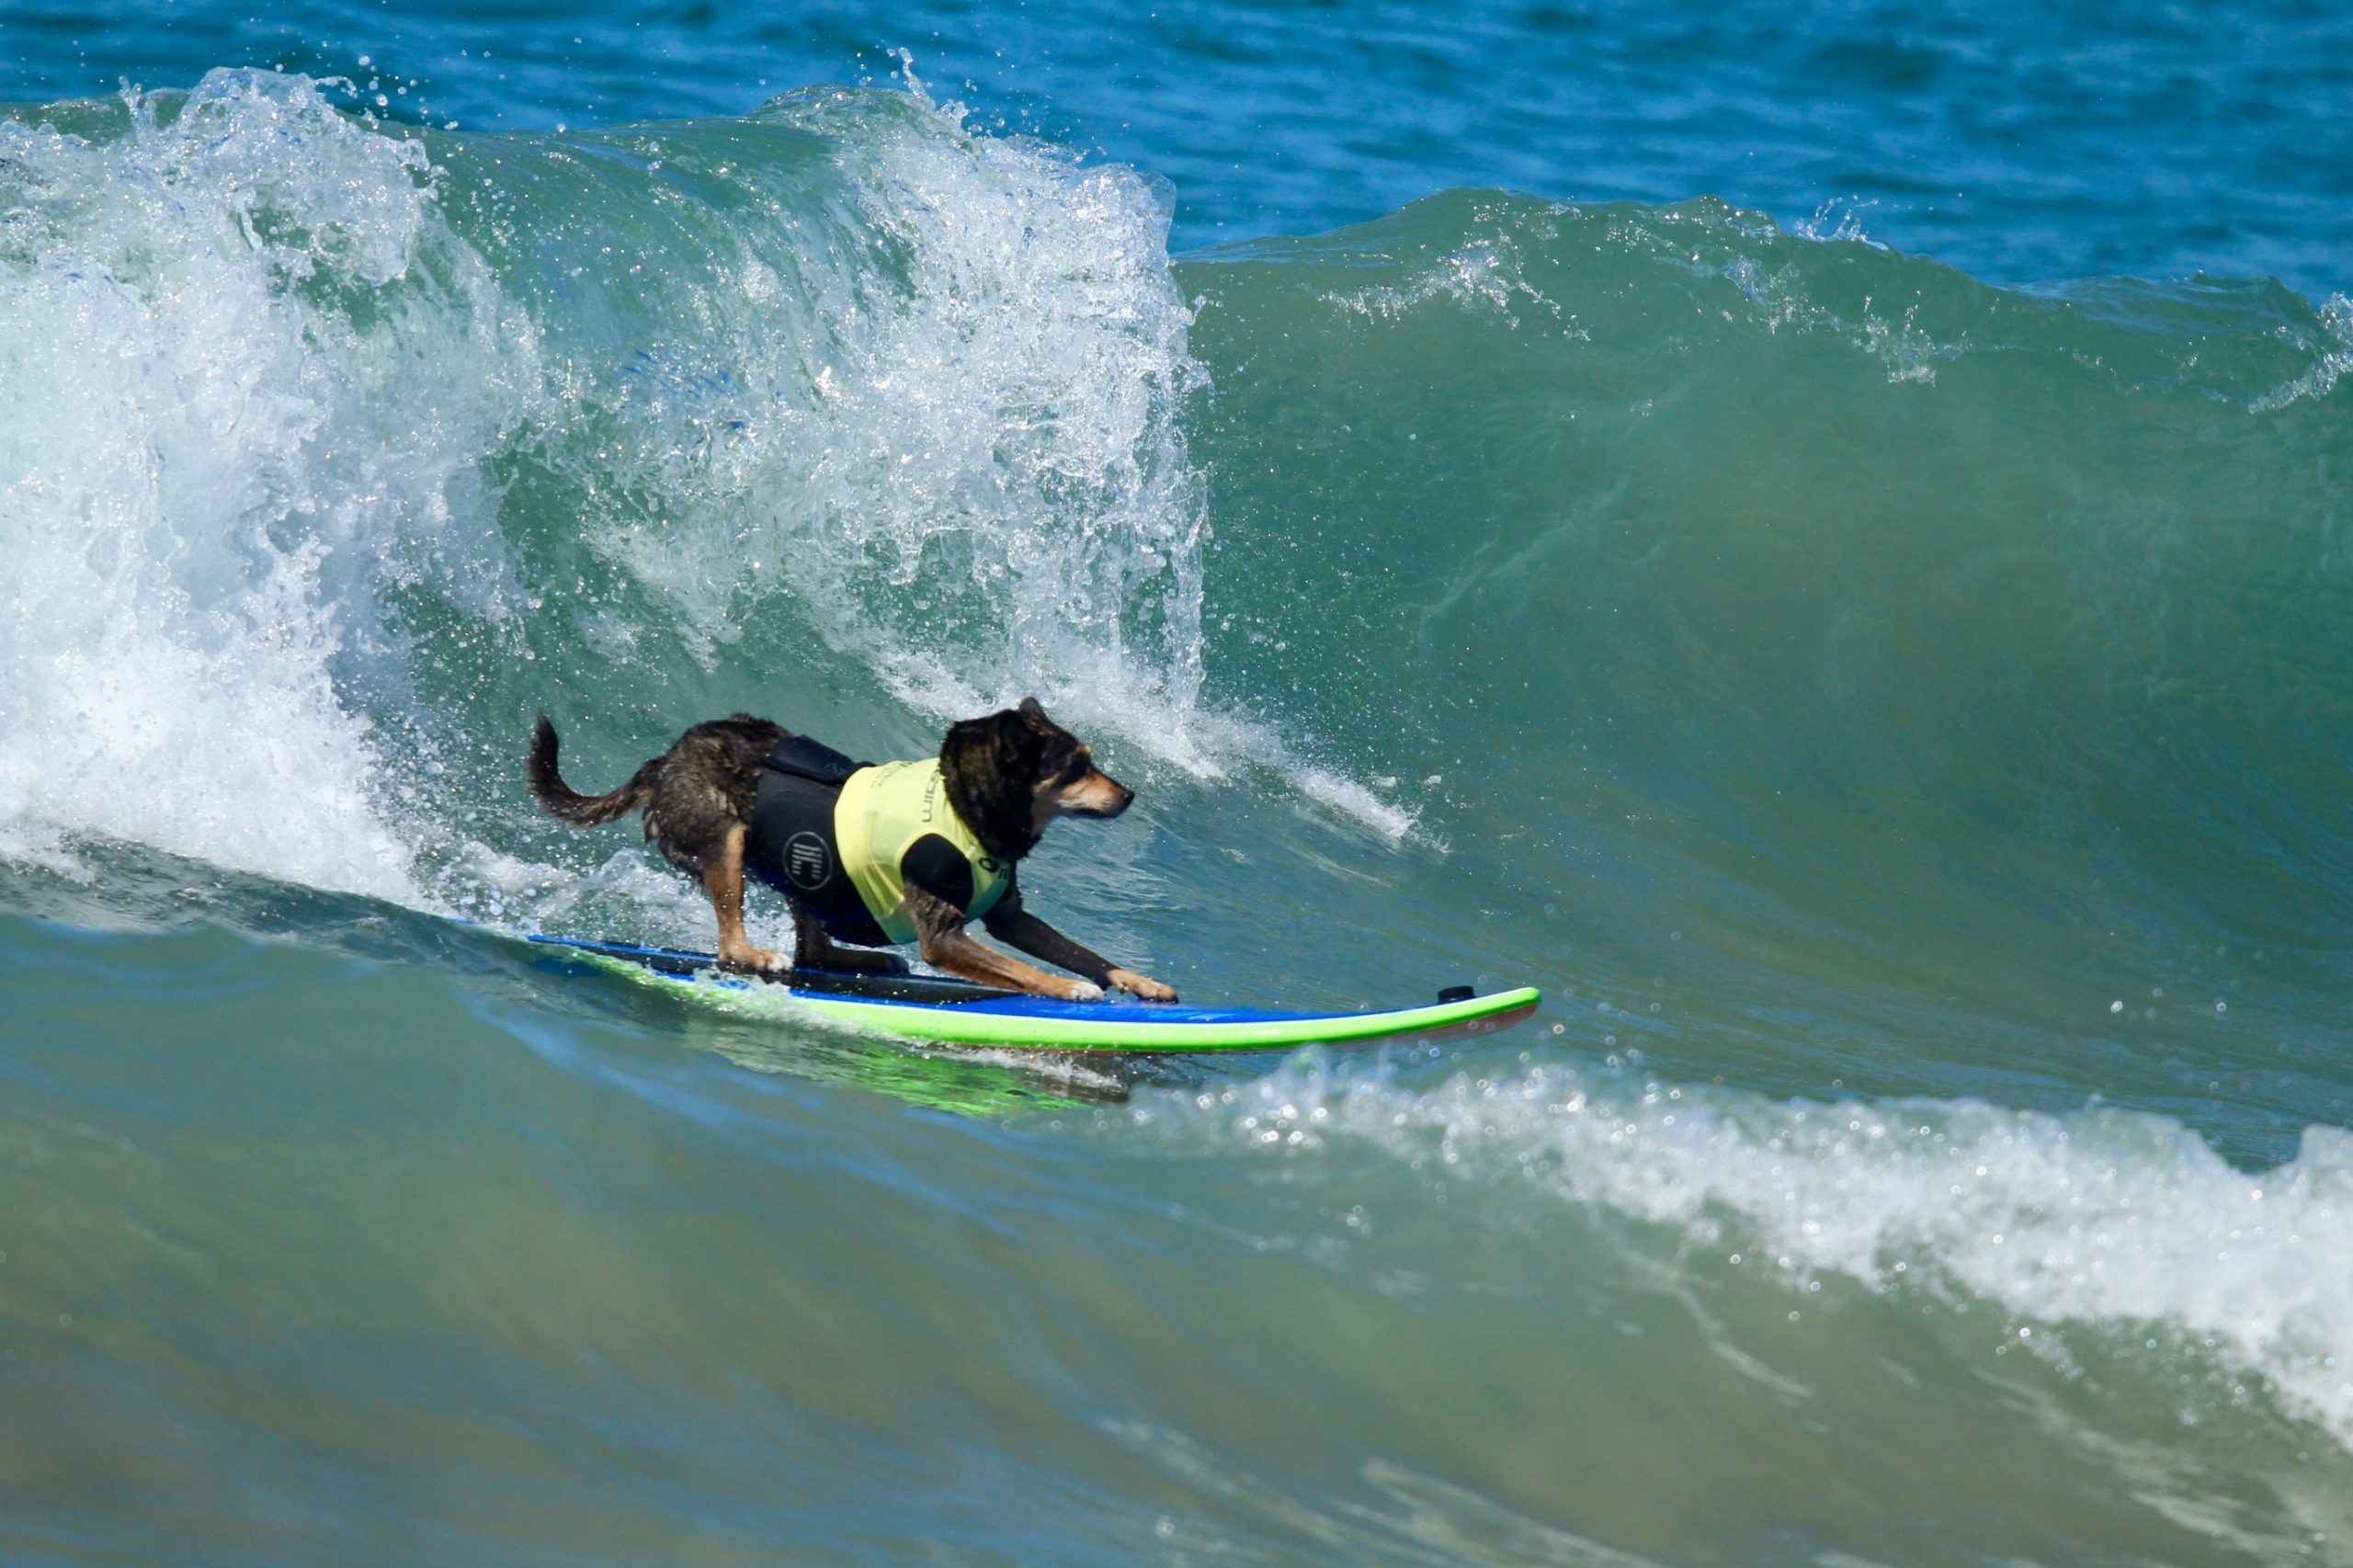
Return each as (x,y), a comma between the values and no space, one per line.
(1035,713)
(1006,741)
(1020,736)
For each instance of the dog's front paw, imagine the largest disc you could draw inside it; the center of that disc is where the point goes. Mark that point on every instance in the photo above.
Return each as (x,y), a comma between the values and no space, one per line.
(1143,986)
(756,961)
(1081,991)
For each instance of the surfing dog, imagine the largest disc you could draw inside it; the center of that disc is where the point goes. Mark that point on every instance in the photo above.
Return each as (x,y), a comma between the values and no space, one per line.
(869,855)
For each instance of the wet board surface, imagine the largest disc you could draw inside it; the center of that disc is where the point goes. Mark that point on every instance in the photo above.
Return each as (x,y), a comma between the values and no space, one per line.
(931,1007)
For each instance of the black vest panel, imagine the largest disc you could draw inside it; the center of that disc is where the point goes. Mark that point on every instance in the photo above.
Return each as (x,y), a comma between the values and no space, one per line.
(789,845)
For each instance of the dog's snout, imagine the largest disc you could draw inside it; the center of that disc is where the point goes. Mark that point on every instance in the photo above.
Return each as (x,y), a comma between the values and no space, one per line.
(1100,796)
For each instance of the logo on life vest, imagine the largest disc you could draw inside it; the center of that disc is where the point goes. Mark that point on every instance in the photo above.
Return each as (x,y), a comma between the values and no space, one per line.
(807,862)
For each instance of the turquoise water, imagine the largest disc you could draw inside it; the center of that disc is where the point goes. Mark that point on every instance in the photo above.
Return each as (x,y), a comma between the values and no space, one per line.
(1824,541)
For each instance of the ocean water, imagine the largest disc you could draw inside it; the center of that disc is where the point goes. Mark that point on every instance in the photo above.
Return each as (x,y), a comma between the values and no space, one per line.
(1824,538)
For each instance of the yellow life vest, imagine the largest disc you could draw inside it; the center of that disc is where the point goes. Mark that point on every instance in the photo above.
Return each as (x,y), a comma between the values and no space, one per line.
(882,812)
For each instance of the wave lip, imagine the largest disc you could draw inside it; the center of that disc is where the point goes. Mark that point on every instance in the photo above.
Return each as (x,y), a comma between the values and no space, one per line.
(912,389)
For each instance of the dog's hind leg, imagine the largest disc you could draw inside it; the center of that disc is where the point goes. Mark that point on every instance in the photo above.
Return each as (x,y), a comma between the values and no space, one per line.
(811,948)
(722,878)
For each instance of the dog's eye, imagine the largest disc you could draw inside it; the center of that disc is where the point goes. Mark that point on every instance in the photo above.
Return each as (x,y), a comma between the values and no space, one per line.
(1076,769)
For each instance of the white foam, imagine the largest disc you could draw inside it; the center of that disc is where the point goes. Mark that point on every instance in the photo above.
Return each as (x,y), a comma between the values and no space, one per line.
(2102,1218)
(972,476)
(247,373)
(201,468)
(1356,801)
(2332,358)
(957,456)
(1838,221)
(1781,304)
(1486,272)
(972,479)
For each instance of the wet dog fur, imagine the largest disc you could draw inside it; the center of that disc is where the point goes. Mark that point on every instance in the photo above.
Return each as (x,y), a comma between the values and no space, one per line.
(1007,775)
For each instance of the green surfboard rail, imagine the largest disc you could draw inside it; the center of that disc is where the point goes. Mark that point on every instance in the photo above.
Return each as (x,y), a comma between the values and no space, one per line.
(966,1026)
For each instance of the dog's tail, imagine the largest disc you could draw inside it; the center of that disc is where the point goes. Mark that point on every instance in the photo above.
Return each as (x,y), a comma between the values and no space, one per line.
(567,804)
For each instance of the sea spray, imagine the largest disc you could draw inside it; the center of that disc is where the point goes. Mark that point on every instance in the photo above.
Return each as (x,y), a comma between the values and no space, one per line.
(240,373)
(334,446)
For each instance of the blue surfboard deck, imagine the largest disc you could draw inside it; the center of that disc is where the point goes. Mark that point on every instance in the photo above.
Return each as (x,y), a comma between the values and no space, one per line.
(932,1007)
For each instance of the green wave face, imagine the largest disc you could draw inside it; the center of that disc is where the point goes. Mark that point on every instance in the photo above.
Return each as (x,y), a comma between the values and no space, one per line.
(1875,628)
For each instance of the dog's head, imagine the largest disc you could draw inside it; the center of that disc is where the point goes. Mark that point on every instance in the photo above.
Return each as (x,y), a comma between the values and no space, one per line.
(1010,774)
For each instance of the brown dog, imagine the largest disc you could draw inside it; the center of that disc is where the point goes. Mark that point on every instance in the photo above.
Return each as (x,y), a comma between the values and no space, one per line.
(865,854)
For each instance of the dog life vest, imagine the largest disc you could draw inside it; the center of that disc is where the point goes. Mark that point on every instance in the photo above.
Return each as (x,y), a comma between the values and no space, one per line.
(834,836)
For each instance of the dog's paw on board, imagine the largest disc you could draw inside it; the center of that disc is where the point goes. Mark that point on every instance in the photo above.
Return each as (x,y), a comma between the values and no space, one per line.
(1143,986)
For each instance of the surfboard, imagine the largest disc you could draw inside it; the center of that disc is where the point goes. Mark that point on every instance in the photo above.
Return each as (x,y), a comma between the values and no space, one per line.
(957,1012)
